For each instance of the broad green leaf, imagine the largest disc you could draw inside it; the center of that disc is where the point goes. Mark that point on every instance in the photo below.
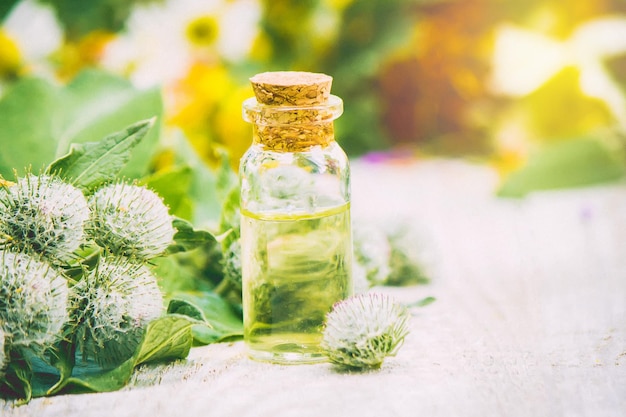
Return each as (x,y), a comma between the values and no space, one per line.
(222,321)
(185,308)
(91,164)
(227,186)
(24,375)
(30,374)
(203,188)
(80,18)
(205,335)
(63,358)
(99,103)
(41,120)
(571,163)
(90,377)
(29,113)
(45,378)
(230,217)
(168,337)
(187,238)
(17,380)
(173,185)
(179,275)
(5,7)
(226,178)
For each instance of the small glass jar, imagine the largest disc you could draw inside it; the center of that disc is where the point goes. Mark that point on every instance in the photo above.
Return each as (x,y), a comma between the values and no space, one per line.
(296,241)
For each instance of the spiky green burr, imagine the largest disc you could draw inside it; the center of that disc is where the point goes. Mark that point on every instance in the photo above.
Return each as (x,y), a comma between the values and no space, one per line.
(130,220)
(44,215)
(364,329)
(33,300)
(112,306)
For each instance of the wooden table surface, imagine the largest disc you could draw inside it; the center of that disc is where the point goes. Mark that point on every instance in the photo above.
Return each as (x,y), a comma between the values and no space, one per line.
(530,317)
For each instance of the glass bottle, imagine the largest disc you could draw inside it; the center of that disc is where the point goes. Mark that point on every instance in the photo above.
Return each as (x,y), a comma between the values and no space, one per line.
(296,240)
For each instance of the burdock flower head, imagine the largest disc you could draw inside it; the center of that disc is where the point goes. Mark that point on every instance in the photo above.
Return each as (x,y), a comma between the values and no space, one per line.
(363,329)
(33,300)
(111,307)
(43,214)
(130,220)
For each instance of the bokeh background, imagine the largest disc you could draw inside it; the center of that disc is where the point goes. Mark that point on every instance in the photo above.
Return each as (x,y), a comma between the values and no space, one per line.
(535,89)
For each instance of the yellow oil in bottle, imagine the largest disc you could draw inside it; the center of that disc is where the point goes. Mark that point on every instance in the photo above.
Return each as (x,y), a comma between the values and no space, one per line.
(298,266)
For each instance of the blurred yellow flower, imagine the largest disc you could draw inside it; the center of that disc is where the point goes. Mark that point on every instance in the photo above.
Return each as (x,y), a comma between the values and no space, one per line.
(524,60)
(86,52)
(203,30)
(513,147)
(261,50)
(206,105)
(29,34)
(230,129)
(338,5)
(190,99)
(163,40)
(10,56)
(560,86)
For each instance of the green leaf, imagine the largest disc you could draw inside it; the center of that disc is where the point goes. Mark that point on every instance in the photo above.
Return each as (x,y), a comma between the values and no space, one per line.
(24,375)
(174,185)
(571,163)
(227,187)
(230,218)
(226,178)
(63,358)
(28,112)
(89,165)
(421,303)
(185,308)
(203,183)
(41,120)
(179,275)
(166,338)
(80,18)
(221,320)
(187,238)
(16,382)
(89,377)
(29,374)
(5,7)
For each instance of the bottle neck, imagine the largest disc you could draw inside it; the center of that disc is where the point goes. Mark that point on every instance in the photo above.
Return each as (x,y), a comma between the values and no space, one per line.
(293,128)
(293,138)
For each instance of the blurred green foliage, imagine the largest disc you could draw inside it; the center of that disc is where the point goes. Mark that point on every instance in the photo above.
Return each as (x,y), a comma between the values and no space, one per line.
(413,74)
(80,17)
(41,120)
(6,6)
(573,163)
(352,46)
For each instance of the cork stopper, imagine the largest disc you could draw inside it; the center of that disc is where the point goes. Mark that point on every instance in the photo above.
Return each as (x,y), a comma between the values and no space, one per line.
(291,88)
(292,111)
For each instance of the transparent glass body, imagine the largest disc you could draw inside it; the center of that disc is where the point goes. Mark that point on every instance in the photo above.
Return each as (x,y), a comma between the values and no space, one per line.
(296,241)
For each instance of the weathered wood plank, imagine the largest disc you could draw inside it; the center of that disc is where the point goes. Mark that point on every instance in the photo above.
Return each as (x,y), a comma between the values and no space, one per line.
(530,318)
